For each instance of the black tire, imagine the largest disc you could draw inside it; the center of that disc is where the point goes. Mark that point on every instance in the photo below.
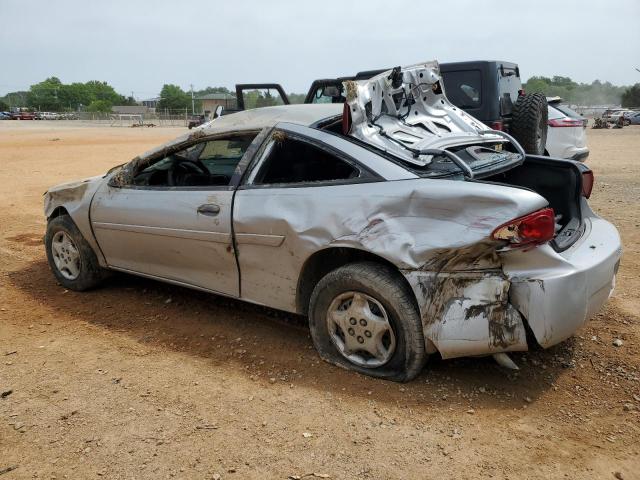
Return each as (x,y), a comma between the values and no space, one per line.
(529,123)
(90,272)
(388,288)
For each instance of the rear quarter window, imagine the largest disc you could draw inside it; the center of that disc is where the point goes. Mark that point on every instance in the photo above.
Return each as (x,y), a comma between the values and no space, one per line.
(567,111)
(555,113)
(464,88)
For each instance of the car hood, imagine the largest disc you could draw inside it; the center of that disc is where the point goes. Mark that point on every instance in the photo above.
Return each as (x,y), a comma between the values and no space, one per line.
(405,111)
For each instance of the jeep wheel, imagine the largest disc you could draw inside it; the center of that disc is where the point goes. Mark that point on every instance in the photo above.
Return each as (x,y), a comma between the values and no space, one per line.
(363,317)
(71,258)
(529,122)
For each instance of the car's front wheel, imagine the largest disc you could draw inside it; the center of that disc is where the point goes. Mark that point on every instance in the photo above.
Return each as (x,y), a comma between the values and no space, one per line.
(71,258)
(363,317)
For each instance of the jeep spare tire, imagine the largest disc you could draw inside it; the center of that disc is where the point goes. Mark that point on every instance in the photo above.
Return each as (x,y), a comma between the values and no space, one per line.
(529,122)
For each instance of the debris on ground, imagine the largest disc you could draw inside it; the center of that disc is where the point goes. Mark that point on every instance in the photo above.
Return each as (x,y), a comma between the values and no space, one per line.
(8,469)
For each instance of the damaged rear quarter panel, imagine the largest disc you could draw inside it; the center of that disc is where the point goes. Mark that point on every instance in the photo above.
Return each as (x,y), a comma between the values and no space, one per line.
(435,231)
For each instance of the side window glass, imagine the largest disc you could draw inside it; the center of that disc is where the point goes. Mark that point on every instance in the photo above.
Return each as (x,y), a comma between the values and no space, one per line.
(221,157)
(265,97)
(292,161)
(208,163)
(472,93)
(328,94)
(464,88)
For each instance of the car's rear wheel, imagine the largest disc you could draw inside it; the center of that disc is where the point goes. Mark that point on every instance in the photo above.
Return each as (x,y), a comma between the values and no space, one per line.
(70,257)
(363,317)
(529,122)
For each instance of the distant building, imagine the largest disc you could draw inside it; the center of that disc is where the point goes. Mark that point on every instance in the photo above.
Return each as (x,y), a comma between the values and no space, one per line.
(151,102)
(131,109)
(211,100)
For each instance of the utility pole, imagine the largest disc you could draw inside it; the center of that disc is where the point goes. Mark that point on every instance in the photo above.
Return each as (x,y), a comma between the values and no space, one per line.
(193,105)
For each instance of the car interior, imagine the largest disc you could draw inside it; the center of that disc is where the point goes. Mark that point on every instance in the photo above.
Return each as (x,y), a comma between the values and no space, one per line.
(295,161)
(209,163)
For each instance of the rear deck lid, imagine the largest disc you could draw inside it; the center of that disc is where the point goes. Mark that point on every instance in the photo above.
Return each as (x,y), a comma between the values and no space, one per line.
(405,113)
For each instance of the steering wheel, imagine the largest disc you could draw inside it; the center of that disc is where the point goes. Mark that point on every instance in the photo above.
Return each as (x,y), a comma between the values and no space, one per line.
(182,167)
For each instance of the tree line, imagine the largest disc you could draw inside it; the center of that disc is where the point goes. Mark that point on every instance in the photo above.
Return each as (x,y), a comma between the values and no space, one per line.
(53,95)
(172,97)
(594,93)
(98,96)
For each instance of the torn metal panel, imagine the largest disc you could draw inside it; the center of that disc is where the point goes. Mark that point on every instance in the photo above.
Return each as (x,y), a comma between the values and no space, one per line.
(404,111)
(465,307)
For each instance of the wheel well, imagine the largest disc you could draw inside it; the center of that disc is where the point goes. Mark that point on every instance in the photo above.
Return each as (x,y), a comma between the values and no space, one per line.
(327,260)
(58,211)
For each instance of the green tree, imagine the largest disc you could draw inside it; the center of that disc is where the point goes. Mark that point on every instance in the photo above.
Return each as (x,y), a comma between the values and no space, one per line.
(172,97)
(631,96)
(4,106)
(208,90)
(99,106)
(16,99)
(297,97)
(52,94)
(126,100)
(595,93)
(45,95)
(266,99)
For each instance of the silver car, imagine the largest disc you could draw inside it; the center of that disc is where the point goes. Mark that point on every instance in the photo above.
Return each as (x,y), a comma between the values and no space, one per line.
(400,225)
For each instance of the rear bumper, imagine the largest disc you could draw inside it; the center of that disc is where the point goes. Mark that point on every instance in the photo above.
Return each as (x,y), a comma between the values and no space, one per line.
(558,292)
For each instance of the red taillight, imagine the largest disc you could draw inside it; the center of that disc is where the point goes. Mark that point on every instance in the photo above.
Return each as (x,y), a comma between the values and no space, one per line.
(565,122)
(587,183)
(497,125)
(533,229)
(346,119)
(521,92)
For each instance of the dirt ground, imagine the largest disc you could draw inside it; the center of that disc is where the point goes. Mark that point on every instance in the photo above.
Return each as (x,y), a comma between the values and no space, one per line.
(143,380)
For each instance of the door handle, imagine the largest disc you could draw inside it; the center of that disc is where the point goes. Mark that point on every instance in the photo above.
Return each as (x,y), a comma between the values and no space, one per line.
(209,209)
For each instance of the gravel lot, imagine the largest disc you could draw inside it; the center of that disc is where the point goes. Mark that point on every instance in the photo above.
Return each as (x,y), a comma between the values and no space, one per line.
(143,380)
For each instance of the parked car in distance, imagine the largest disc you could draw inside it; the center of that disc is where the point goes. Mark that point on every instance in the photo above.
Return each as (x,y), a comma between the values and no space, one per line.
(5,116)
(22,114)
(627,116)
(634,118)
(46,116)
(567,134)
(195,121)
(435,236)
(613,115)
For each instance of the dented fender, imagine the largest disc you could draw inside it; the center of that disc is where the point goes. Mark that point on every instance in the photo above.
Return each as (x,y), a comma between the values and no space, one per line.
(75,198)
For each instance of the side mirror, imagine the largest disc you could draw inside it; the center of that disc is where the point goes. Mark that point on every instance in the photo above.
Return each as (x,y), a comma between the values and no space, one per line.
(218,112)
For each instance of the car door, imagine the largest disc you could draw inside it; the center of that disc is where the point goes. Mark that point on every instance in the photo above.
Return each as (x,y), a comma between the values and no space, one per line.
(298,197)
(172,219)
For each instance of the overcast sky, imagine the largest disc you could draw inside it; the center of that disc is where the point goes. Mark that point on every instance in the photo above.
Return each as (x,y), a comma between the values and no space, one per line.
(140,45)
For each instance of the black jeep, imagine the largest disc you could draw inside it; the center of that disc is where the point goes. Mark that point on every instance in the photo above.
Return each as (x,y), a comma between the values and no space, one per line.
(490,91)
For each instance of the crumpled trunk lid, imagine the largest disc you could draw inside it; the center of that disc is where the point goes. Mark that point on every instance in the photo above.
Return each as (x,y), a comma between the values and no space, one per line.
(406,113)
